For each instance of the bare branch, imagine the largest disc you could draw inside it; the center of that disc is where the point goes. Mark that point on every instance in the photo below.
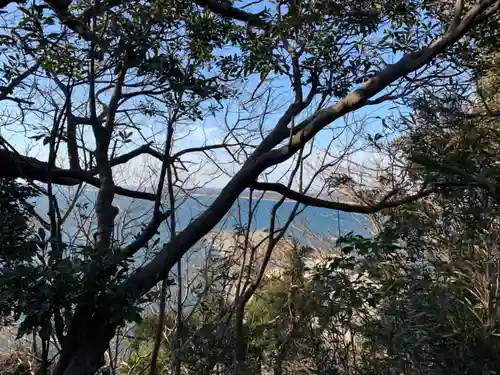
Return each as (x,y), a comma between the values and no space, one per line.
(346,207)
(115,99)
(15,165)
(204,148)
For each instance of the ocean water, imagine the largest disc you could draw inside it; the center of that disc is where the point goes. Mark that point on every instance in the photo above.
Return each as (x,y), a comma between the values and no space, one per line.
(316,221)
(310,225)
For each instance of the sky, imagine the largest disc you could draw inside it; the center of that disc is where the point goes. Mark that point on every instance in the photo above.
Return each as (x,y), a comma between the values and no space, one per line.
(208,131)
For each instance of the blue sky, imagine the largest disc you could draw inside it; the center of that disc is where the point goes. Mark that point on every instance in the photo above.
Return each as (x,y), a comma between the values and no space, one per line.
(208,131)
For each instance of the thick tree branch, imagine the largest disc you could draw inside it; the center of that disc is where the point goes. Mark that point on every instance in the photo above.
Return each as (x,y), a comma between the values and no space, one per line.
(19,166)
(145,236)
(222,8)
(5,91)
(145,278)
(346,207)
(60,8)
(227,10)
(360,97)
(71,126)
(459,7)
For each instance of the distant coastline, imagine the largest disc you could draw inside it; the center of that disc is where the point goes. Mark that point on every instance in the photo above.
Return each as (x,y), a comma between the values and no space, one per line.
(268,196)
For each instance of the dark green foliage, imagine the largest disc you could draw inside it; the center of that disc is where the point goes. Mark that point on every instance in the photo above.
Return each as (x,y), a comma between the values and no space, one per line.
(15,221)
(18,244)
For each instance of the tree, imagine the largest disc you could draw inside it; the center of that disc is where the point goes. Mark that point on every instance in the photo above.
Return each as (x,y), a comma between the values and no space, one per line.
(88,71)
(440,313)
(16,240)
(428,303)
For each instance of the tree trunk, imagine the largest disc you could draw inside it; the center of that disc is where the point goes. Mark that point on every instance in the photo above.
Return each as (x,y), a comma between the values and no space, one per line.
(85,344)
(87,360)
(240,340)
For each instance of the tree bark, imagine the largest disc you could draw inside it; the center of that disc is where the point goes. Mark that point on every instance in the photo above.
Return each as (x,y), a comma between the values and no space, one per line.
(14,165)
(89,357)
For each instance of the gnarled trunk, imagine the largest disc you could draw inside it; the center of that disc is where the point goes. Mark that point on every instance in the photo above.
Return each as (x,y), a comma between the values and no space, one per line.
(84,347)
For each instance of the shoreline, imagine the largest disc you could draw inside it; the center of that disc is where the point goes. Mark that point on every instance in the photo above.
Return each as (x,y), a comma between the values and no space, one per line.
(268,198)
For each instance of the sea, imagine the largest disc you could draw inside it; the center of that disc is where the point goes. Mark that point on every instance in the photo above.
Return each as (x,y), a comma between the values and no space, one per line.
(309,225)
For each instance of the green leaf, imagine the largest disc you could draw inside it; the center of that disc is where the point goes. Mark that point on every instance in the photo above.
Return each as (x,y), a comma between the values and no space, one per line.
(23,22)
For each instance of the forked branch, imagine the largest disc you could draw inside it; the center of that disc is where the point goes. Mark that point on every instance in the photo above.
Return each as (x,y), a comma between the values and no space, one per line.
(266,155)
(19,166)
